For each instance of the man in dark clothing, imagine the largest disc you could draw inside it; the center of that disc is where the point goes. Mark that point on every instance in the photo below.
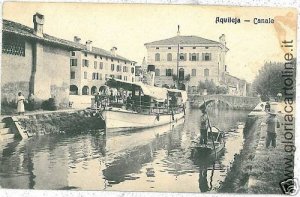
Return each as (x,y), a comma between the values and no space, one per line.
(272,123)
(129,102)
(203,126)
(267,107)
(97,100)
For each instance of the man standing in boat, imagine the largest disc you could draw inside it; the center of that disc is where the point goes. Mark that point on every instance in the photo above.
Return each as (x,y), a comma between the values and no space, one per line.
(203,125)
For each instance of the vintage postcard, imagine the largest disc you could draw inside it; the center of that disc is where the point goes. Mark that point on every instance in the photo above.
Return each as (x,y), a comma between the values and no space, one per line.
(148,97)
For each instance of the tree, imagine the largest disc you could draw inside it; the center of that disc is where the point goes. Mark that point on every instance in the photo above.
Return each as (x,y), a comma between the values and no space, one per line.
(180,83)
(221,90)
(210,87)
(269,81)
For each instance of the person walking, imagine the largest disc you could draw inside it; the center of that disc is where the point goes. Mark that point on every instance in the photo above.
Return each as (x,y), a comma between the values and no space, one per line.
(203,125)
(20,104)
(272,124)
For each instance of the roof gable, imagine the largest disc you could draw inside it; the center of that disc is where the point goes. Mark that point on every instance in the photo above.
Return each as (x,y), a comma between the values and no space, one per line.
(22,30)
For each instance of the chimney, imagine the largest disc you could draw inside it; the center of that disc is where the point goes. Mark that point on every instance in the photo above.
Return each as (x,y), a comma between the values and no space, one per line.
(113,51)
(38,22)
(178,30)
(77,39)
(222,39)
(88,45)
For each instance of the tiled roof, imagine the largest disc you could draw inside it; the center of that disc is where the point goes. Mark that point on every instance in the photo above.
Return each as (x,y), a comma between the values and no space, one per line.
(99,51)
(183,40)
(233,81)
(22,30)
(19,29)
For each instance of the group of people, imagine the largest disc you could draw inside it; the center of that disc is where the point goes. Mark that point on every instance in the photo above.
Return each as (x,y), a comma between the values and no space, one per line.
(112,95)
(21,103)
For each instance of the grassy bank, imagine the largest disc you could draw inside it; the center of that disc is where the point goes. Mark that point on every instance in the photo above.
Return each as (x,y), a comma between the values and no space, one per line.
(62,122)
(257,169)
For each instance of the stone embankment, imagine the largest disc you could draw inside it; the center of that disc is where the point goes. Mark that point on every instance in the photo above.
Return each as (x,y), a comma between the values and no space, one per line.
(74,121)
(257,169)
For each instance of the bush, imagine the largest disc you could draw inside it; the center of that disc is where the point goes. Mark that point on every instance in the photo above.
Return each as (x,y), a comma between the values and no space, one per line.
(49,104)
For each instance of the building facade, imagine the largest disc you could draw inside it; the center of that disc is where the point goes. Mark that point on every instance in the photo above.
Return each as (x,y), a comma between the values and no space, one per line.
(48,67)
(190,58)
(34,62)
(236,86)
(90,67)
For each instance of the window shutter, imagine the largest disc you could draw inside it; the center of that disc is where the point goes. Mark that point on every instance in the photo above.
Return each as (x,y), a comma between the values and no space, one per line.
(166,72)
(185,57)
(190,56)
(197,57)
(203,56)
(209,56)
(82,63)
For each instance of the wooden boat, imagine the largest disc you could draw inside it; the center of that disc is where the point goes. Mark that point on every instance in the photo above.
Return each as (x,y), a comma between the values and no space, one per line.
(214,147)
(148,107)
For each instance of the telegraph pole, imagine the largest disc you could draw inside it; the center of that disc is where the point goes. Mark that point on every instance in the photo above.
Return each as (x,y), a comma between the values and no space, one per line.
(178,34)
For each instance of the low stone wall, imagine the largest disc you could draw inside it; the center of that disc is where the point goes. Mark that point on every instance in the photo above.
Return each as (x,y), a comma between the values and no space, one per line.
(233,102)
(60,122)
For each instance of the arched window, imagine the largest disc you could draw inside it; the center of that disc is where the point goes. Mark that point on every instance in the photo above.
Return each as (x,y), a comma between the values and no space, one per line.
(206,72)
(73,90)
(182,56)
(157,72)
(169,72)
(85,90)
(157,57)
(132,70)
(94,90)
(169,57)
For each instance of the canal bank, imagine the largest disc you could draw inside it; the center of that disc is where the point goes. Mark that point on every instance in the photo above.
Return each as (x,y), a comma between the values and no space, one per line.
(47,122)
(257,169)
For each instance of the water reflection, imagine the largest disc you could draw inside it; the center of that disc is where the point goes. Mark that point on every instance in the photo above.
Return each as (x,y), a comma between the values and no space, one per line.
(156,159)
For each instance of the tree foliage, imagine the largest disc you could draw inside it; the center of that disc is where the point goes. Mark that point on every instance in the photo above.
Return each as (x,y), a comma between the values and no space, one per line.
(211,88)
(269,81)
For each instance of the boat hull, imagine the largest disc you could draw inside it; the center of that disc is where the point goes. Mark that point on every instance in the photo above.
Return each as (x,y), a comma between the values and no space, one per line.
(125,120)
(200,152)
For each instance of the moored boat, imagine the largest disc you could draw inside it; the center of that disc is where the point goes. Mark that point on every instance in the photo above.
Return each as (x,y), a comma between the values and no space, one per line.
(140,106)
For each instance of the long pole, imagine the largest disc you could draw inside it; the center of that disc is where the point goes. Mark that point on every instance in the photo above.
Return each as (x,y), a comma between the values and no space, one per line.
(212,137)
(178,65)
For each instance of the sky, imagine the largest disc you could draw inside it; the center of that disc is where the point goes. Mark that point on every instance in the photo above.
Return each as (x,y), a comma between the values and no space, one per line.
(130,26)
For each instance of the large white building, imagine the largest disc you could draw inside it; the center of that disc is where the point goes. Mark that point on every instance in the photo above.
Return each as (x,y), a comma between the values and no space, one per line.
(191,57)
(91,66)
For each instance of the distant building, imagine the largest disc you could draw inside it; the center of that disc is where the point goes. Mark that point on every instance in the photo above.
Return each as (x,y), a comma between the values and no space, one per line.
(91,66)
(236,86)
(198,58)
(34,62)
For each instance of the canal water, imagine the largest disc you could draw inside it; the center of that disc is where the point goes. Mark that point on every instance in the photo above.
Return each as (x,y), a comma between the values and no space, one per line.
(157,159)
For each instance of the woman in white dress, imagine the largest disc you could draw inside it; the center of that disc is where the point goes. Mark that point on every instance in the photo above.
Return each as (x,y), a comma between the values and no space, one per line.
(20,102)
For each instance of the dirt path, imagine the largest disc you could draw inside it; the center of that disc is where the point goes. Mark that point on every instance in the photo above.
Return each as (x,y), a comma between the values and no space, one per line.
(257,169)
